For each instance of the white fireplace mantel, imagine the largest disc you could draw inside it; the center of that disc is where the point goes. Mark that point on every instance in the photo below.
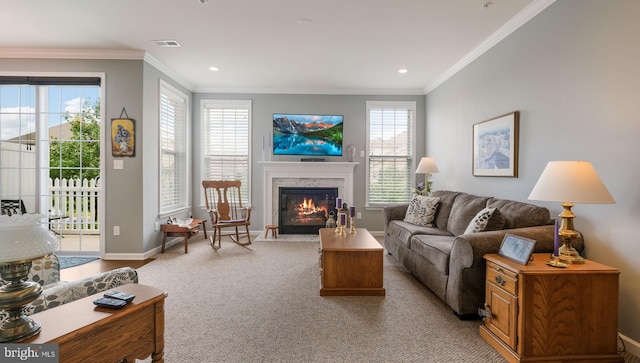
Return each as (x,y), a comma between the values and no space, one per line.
(292,173)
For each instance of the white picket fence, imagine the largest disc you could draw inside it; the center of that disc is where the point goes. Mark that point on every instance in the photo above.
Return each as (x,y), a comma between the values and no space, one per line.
(74,206)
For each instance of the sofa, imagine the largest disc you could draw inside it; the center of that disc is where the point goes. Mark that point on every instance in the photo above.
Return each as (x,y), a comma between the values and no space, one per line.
(46,272)
(444,247)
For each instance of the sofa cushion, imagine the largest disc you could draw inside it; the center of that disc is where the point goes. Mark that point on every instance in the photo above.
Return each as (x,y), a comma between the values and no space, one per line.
(434,249)
(520,215)
(403,231)
(444,208)
(480,221)
(422,210)
(465,207)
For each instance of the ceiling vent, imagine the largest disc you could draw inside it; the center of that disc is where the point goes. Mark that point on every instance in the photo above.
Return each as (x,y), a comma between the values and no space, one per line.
(167,43)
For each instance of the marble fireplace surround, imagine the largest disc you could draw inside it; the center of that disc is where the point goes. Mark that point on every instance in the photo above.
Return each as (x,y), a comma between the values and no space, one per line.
(304,174)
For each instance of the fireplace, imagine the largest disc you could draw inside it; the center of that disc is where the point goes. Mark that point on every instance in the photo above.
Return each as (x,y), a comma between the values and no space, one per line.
(304,210)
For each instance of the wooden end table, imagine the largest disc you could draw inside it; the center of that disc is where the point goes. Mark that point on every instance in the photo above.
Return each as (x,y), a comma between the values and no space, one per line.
(350,265)
(87,333)
(174,230)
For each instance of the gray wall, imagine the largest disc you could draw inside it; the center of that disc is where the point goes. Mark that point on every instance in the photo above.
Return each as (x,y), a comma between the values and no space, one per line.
(265,105)
(573,73)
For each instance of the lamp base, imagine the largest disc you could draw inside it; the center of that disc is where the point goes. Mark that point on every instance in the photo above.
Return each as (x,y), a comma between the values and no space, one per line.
(13,296)
(570,255)
(19,328)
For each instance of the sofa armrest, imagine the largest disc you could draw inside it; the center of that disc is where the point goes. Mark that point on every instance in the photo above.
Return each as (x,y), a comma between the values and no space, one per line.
(74,290)
(394,212)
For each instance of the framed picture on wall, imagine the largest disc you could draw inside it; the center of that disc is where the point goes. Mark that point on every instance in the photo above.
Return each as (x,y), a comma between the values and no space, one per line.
(495,146)
(123,137)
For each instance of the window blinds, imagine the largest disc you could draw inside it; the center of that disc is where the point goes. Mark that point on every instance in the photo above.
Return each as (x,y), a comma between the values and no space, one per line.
(173,146)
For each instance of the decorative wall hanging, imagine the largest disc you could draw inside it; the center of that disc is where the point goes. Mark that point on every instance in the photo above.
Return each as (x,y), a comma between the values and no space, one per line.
(123,135)
(495,146)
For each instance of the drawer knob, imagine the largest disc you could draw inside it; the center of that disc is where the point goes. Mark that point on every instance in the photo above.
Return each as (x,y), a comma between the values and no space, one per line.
(499,280)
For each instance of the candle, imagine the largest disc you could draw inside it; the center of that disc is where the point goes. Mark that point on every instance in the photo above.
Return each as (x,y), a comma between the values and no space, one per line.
(556,241)
(343,219)
(339,203)
(352,211)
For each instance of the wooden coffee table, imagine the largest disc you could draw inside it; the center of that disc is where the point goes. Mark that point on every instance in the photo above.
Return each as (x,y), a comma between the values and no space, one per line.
(86,333)
(350,265)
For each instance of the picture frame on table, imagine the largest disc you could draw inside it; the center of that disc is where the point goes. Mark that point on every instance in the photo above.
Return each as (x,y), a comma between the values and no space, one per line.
(517,248)
(495,146)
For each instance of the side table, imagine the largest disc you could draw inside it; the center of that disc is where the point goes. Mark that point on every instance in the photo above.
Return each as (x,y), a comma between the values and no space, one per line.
(174,230)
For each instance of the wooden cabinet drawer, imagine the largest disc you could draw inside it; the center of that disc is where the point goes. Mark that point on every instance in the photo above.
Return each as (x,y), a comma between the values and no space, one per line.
(505,279)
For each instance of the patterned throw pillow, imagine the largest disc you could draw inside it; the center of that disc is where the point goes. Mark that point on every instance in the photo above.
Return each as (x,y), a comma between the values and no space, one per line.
(480,221)
(422,210)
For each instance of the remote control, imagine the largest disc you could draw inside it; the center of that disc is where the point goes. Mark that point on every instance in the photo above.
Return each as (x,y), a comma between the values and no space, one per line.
(106,302)
(120,296)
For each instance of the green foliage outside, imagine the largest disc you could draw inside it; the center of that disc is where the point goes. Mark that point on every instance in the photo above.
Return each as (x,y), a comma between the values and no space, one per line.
(79,157)
(333,134)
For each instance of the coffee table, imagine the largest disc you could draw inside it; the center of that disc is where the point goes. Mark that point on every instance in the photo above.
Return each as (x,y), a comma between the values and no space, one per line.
(350,265)
(86,333)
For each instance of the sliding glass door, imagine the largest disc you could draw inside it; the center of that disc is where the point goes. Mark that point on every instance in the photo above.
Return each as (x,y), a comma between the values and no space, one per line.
(50,142)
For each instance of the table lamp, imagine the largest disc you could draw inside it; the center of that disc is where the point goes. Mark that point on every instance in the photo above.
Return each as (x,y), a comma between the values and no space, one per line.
(22,240)
(570,182)
(427,167)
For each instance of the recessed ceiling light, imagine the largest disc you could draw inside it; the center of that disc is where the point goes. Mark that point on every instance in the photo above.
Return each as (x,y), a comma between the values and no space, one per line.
(402,71)
(215,69)
(167,43)
(305,22)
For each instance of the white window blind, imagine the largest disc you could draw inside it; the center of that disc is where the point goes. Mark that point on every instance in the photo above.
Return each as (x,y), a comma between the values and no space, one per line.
(226,142)
(390,134)
(173,149)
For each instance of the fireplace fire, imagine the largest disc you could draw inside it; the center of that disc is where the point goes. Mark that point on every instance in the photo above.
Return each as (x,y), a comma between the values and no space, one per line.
(305,210)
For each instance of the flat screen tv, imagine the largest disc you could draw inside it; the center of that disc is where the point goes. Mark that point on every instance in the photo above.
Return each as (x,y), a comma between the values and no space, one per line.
(307,135)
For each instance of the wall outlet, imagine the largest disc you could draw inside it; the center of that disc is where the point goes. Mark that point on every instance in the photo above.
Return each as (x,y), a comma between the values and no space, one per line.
(359,215)
(116,230)
(157,227)
(362,153)
(118,164)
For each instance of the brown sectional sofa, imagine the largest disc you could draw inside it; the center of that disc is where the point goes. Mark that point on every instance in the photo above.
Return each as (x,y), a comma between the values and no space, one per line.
(449,262)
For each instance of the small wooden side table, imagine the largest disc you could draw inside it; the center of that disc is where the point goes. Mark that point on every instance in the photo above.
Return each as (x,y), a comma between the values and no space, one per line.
(174,230)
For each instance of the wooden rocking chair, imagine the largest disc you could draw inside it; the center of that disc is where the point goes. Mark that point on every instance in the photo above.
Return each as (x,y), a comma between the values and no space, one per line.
(224,204)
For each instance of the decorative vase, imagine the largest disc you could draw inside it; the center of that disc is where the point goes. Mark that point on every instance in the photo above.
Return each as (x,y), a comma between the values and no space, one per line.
(351,152)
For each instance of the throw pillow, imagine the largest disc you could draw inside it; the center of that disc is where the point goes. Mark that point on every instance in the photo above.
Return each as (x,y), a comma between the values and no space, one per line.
(422,210)
(480,221)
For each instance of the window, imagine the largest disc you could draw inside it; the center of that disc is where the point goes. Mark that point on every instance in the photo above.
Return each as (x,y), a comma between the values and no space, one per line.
(390,134)
(226,142)
(173,150)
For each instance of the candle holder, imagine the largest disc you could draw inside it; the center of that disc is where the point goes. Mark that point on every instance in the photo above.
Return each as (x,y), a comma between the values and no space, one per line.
(342,231)
(352,230)
(554,261)
(338,226)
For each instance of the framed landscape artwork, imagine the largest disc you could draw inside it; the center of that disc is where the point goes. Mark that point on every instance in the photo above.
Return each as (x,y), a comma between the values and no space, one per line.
(495,146)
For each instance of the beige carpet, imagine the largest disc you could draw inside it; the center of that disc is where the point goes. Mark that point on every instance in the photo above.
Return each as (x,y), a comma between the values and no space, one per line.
(261,304)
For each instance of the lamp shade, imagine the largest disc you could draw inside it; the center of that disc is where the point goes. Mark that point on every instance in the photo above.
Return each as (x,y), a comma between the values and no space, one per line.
(571,181)
(427,166)
(22,238)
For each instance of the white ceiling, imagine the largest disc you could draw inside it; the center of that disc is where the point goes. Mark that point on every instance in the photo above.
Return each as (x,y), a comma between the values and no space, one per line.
(351,46)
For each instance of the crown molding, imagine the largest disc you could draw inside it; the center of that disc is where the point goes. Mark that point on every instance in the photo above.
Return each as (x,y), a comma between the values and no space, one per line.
(320,91)
(39,53)
(505,30)
(168,71)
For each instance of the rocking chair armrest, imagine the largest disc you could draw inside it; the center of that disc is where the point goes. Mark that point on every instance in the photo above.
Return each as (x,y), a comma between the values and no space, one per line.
(214,214)
(246,215)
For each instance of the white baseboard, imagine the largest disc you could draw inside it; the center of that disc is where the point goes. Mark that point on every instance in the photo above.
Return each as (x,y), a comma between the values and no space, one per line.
(630,345)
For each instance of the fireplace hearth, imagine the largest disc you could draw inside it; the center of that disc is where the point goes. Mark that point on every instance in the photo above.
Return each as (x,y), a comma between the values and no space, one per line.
(304,210)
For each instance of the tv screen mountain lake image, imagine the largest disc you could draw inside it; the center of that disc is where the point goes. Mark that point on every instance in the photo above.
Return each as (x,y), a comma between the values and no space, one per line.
(312,135)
